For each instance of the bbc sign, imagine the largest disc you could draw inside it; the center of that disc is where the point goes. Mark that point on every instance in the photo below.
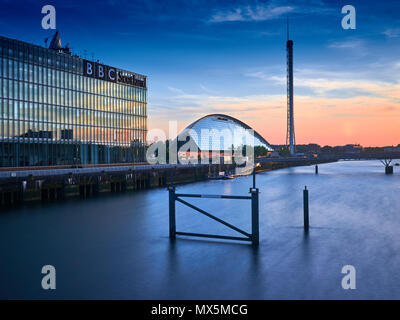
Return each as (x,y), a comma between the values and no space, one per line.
(99,71)
(103,72)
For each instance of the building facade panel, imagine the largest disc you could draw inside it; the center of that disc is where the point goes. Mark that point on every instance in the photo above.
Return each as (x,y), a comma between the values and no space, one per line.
(52,114)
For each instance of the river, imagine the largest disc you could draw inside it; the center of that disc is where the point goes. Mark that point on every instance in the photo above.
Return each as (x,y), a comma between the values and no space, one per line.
(117,246)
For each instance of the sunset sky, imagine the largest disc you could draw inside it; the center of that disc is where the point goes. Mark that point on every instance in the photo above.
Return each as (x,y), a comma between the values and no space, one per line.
(229,57)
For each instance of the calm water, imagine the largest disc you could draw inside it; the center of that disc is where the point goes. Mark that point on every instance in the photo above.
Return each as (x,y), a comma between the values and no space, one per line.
(117,246)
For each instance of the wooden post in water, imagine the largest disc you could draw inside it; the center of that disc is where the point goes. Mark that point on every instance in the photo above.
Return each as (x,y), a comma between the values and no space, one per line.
(255,229)
(305,207)
(254,176)
(172,213)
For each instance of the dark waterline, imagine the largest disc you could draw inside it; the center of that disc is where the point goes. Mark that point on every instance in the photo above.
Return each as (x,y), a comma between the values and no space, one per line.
(118,246)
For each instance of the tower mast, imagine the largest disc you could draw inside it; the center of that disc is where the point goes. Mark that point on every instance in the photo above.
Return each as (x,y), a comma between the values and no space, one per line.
(290,137)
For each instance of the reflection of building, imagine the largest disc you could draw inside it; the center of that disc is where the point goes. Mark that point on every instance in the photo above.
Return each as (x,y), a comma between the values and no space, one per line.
(219,135)
(56,108)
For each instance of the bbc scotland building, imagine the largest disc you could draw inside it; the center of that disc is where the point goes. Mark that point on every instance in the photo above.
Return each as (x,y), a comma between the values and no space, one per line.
(57,108)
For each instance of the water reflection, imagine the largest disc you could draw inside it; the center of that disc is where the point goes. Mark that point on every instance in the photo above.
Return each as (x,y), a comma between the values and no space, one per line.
(118,246)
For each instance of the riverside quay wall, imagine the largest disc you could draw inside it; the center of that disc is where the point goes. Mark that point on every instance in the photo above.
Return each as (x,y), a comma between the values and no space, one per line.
(24,185)
(49,184)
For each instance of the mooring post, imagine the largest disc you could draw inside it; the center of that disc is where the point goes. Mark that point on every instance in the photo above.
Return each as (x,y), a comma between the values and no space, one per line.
(389,169)
(171,177)
(254,176)
(254,216)
(316,169)
(305,205)
(172,212)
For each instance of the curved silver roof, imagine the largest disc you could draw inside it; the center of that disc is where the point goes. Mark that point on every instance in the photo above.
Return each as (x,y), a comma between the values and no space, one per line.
(225,130)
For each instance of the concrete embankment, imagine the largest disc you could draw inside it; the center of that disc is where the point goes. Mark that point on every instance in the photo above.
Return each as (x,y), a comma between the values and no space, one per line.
(21,186)
(24,186)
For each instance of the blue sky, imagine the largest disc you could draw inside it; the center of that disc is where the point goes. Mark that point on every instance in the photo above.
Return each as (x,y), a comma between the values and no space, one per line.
(229,57)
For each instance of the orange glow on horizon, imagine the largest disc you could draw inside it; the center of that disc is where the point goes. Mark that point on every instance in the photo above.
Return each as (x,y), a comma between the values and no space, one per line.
(367,120)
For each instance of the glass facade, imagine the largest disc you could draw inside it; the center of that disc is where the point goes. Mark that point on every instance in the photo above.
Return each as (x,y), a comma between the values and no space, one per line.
(222,132)
(51,114)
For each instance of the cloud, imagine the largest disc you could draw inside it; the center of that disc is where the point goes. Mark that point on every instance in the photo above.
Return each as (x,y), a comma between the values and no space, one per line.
(251,13)
(175,90)
(206,89)
(348,44)
(260,75)
(274,9)
(376,80)
(346,93)
(236,15)
(328,106)
(392,33)
(191,106)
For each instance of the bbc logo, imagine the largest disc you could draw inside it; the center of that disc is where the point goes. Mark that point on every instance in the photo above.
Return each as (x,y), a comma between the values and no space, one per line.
(99,71)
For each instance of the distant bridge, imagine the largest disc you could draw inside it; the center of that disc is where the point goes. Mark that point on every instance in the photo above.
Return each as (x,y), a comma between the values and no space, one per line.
(332,158)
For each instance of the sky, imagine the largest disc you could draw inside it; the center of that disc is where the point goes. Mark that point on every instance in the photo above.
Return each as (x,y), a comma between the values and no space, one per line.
(229,57)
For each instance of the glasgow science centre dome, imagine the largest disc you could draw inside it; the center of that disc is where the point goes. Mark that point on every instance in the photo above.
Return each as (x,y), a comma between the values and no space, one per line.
(221,132)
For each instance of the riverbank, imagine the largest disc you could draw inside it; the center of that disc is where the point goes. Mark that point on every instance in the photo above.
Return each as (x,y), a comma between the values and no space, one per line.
(32,186)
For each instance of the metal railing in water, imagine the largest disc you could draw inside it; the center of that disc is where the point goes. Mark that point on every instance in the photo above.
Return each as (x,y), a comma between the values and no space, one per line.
(253,237)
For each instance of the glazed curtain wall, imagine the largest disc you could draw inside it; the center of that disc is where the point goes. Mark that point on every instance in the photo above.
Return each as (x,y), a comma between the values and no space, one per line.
(45,99)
